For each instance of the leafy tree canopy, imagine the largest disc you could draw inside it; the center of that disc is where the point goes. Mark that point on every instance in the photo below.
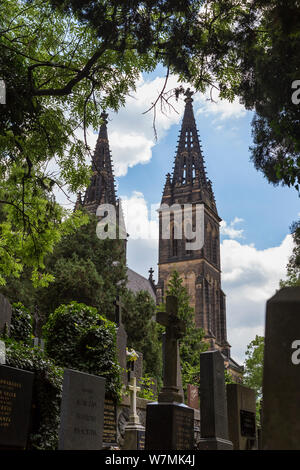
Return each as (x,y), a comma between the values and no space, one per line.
(63,61)
(253,371)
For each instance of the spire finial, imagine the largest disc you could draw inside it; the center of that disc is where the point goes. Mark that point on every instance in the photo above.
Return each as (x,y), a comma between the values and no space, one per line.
(189,93)
(104,117)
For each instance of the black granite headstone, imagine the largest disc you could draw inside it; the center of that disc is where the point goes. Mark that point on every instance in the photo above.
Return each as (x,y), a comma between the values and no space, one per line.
(177,423)
(15,406)
(5,314)
(241,407)
(82,411)
(213,404)
(281,375)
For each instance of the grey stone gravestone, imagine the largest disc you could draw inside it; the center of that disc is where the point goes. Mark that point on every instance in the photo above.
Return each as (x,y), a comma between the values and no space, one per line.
(15,407)
(281,375)
(169,423)
(82,411)
(241,407)
(213,406)
(2,353)
(5,314)
(193,396)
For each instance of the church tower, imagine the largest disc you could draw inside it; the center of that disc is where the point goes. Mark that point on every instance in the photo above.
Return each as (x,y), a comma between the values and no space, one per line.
(200,268)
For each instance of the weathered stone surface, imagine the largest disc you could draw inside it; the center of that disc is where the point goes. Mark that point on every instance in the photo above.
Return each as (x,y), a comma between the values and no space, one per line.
(82,411)
(193,396)
(2,353)
(281,378)
(5,313)
(169,426)
(241,407)
(15,406)
(213,406)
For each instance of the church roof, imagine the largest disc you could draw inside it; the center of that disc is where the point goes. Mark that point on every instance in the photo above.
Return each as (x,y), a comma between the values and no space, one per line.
(136,283)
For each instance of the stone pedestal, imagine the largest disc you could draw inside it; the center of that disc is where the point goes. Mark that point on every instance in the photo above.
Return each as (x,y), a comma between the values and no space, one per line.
(170,426)
(214,443)
(134,437)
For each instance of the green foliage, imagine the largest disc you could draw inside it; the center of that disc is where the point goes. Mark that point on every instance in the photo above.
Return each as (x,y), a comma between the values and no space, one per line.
(46,393)
(192,344)
(77,337)
(21,324)
(143,333)
(253,372)
(147,385)
(228,377)
(58,75)
(293,267)
(85,269)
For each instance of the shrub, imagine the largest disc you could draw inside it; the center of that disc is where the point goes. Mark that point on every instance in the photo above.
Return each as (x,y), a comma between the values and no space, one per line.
(21,324)
(78,337)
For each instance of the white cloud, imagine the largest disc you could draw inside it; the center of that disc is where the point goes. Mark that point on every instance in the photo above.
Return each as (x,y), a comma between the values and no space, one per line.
(130,131)
(142,226)
(220,108)
(230,229)
(249,278)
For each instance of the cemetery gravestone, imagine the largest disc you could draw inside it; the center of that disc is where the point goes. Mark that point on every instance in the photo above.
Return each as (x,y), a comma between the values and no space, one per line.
(213,406)
(241,407)
(169,423)
(281,376)
(15,407)
(82,411)
(5,314)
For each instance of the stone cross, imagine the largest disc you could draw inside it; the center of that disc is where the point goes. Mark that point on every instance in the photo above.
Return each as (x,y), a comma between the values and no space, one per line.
(118,310)
(175,329)
(133,417)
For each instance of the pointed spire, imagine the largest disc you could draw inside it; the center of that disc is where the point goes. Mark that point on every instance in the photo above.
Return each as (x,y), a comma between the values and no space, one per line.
(189,171)
(189,159)
(102,185)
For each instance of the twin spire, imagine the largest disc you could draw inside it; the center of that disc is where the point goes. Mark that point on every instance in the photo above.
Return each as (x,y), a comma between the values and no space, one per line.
(188,172)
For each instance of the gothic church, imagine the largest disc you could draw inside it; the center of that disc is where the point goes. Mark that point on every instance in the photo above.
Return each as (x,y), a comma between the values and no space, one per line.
(200,269)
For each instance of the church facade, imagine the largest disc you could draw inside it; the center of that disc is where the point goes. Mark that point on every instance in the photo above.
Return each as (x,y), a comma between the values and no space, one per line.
(200,269)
